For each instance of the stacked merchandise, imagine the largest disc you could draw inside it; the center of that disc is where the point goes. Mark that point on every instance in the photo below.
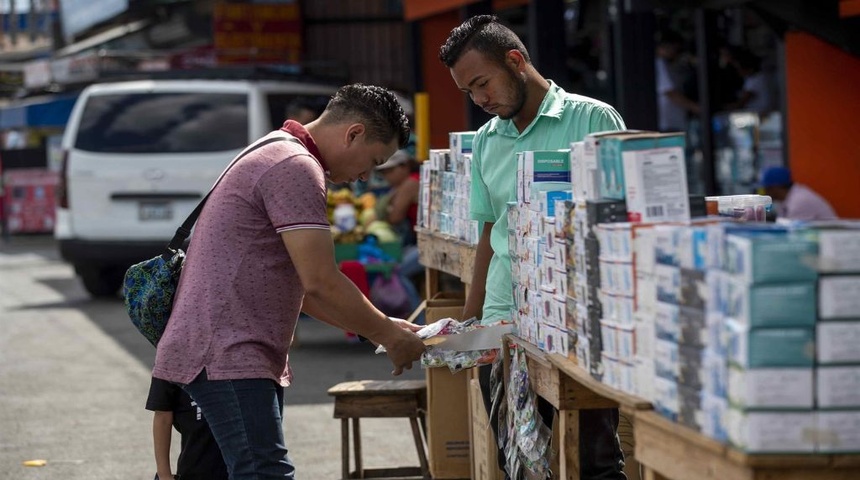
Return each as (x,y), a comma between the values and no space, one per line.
(444,190)
(689,361)
(590,300)
(429,192)
(636,177)
(768,298)
(734,331)
(538,249)
(837,369)
(714,321)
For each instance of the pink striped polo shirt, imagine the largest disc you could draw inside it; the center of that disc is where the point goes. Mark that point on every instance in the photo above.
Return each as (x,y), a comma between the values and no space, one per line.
(240,295)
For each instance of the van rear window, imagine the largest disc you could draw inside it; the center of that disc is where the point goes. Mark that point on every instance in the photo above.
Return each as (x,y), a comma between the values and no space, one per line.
(164,123)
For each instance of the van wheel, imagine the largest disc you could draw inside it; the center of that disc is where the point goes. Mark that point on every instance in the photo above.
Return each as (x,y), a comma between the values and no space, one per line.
(101,282)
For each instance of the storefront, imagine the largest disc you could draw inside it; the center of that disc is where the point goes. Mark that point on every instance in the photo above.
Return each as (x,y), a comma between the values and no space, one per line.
(30,161)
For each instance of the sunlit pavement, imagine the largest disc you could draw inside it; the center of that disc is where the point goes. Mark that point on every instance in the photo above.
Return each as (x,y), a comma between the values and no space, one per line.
(74,375)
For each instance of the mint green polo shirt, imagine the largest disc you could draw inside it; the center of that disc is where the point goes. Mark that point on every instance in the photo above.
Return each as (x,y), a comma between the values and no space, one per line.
(562,118)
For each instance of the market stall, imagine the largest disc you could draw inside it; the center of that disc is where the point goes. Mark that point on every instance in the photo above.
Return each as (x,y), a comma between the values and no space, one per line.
(727,341)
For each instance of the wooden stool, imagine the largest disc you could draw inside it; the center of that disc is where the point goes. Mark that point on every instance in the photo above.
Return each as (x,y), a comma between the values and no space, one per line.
(380,399)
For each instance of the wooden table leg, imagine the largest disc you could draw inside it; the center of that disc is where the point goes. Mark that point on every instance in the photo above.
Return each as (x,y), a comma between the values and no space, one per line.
(356,445)
(431,282)
(344,447)
(569,446)
(419,446)
(651,474)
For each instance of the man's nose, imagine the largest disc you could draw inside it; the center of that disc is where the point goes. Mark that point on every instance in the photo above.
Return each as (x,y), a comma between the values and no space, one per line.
(480,99)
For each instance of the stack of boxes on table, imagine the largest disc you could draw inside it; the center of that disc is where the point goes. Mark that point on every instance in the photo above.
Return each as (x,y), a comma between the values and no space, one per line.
(712,321)
(444,190)
(538,249)
(725,327)
(837,370)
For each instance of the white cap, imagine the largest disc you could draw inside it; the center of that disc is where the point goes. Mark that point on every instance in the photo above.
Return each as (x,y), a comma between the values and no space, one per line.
(400,157)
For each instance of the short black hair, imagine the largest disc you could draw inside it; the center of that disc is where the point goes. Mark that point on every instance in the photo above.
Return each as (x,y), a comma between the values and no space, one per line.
(484,34)
(748,60)
(669,37)
(375,107)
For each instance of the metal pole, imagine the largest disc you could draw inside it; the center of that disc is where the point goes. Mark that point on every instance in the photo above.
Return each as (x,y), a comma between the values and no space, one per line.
(422,126)
(13,23)
(706,30)
(546,40)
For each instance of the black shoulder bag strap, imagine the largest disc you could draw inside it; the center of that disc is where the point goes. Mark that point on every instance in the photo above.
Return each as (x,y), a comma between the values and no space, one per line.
(184,230)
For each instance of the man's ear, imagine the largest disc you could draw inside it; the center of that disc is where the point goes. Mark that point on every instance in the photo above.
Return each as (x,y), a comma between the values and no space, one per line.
(514,58)
(353,132)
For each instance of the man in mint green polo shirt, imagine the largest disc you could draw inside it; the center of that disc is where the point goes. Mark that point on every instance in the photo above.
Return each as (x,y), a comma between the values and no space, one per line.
(490,64)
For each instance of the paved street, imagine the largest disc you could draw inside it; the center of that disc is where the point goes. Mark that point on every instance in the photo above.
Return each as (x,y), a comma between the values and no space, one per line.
(74,376)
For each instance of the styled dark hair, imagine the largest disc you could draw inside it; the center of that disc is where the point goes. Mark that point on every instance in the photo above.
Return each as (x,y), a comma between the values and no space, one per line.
(484,34)
(375,107)
(747,60)
(670,37)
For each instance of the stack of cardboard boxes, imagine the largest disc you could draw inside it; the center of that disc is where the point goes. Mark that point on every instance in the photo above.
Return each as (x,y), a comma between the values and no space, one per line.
(837,369)
(444,190)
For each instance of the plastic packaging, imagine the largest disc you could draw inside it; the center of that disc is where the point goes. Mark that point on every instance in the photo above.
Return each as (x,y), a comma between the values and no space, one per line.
(454,360)
(750,208)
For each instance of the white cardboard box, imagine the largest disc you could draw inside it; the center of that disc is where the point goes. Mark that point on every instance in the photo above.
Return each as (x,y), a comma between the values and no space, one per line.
(839,297)
(838,342)
(838,387)
(772,432)
(839,431)
(771,388)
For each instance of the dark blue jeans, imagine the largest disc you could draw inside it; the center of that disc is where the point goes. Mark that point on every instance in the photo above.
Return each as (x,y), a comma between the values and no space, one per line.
(600,454)
(246,419)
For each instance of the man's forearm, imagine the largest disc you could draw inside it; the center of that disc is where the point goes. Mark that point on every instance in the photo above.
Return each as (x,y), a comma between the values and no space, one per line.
(311,307)
(337,305)
(477,290)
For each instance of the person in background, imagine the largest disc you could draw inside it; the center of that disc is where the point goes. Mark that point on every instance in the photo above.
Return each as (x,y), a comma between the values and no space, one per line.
(490,64)
(672,105)
(263,253)
(199,455)
(399,207)
(755,94)
(302,111)
(794,201)
(728,81)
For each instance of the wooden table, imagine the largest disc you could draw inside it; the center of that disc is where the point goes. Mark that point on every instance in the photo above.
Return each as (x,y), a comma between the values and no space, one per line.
(570,389)
(666,449)
(440,254)
(670,451)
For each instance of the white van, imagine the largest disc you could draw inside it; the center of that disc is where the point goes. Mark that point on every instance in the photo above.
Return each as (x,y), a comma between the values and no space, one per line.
(138,156)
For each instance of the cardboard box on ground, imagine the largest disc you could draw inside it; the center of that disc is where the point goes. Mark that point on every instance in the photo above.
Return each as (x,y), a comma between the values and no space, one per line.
(447,403)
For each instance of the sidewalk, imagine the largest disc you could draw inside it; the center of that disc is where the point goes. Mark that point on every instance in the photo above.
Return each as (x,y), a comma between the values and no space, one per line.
(72,394)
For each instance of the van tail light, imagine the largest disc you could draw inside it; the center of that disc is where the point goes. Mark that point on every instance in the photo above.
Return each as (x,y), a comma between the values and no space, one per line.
(63,186)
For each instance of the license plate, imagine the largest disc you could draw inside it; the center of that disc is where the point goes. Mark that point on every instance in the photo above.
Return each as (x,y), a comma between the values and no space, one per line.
(155,211)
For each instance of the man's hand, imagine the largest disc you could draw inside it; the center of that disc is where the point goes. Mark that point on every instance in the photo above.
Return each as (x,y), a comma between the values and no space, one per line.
(403,348)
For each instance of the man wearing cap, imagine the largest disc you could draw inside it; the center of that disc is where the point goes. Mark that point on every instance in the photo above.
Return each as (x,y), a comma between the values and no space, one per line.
(399,207)
(793,200)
